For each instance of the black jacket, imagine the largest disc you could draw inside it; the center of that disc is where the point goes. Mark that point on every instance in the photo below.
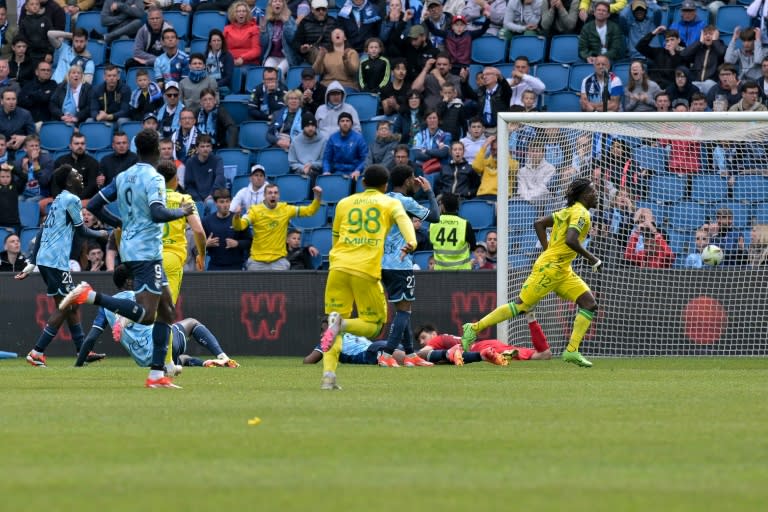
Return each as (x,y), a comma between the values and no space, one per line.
(662,69)
(83,104)
(314,32)
(112,102)
(113,164)
(35,96)
(88,168)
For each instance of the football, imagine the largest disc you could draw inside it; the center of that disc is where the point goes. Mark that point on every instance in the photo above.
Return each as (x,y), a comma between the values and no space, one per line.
(711,255)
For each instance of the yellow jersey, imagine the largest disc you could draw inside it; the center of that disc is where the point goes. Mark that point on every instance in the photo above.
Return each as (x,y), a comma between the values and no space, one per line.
(175,231)
(360,227)
(575,216)
(270,228)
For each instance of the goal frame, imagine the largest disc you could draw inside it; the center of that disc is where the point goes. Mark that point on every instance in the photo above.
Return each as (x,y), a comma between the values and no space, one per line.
(502,159)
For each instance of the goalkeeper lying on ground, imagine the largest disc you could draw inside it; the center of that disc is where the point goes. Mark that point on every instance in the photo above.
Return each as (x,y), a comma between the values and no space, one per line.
(137,338)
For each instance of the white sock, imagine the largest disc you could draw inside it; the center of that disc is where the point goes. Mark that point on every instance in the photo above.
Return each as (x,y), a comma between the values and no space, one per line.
(91,297)
(156,374)
(223,356)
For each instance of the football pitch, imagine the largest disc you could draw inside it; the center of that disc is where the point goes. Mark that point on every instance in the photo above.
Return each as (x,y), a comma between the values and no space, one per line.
(628,434)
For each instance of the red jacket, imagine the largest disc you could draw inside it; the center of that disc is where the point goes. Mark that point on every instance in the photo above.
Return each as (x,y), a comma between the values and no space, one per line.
(243,42)
(661,257)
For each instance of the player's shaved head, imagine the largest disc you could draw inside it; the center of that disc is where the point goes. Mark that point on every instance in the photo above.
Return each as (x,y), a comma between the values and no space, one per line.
(375,176)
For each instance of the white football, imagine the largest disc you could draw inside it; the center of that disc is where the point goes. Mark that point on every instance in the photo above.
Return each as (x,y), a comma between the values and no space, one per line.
(711,255)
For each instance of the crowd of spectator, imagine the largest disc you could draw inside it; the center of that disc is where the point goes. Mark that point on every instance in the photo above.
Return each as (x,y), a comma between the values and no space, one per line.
(435,107)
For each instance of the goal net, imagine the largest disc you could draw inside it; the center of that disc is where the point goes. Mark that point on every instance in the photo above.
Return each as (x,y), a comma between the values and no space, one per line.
(668,185)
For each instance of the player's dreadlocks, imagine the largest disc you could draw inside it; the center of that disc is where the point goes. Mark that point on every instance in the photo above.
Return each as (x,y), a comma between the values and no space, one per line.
(575,190)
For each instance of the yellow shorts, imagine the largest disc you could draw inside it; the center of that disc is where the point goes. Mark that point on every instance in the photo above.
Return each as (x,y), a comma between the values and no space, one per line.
(343,291)
(173,266)
(564,282)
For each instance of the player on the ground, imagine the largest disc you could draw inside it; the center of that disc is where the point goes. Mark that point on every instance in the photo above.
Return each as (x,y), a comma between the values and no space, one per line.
(355,350)
(552,270)
(137,338)
(140,195)
(441,347)
(175,238)
(397,271)
(360,227)
(51,255)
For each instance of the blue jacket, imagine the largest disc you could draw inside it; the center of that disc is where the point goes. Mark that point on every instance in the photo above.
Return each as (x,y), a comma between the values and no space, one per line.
(289,32)
(345,154)
(635,30)
(690,32)
(202,178)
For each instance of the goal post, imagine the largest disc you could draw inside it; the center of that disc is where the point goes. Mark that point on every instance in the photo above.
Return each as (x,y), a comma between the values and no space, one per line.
(668,184)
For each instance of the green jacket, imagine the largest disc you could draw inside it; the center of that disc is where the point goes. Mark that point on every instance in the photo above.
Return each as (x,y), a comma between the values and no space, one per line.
(590,46)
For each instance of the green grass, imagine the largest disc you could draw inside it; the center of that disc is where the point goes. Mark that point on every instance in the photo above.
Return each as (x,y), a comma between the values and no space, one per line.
(640,434)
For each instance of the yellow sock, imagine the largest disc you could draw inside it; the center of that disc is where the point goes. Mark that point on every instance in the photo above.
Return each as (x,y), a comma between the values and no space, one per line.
(496,316)
(360,327)
(580,327)
(331,358)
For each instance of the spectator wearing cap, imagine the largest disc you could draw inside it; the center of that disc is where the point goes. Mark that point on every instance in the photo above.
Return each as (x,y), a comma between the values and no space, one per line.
(346,150)
(360,20)
(116,162)
(523,17)
(314,31)
(286,123)
(689,26)
(419,52)
(327,115)
(169,115)
(36,94)
(146,98)
(150,123)
(254,192)
(110,99)
(636,20)
(458,40)
(204,173)
(305,156)
(601,36)
(215,121)
(226,248)
(440,20)
(172,64)
(480,258)
(680,105)
(312,91)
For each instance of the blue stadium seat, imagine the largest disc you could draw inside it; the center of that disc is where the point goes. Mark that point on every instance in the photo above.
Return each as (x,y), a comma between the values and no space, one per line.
(653,158)
(237,109)
(274,160)
(98,75)
(369,130)
(667,188)
(366,104)
(98,155)
(180,21)
(26,236)
(254,76)
(521,215)
(564,49)
(709,188)
(360,186)
(239,183)
(131,128)
(519,261)
(421,258)
(750,188)
(687,216)
(97,135)
(204,21)
(524,242)
(4,233)
(322,240)
(29,214)
(335,187)
(98,51)
(622,71)
(480,214)
(55,135)
(578,73)
(729,17)
(90,20)
(318,220)
(530,46)
(474,69)
(682,244)
(120,51)
(198,46)
(130,76)
(488,50)
(240,158)
(293,188)
(253,135)
(555,76)
(293,80)
(563,101)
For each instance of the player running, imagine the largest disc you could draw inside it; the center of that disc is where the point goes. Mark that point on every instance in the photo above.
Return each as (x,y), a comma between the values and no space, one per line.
(360,226)
(397,271)
(51,255)
(137,338)
(552,270)
(140,195)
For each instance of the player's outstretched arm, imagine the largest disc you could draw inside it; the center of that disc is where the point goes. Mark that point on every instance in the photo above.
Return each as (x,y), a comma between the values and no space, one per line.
(161,214)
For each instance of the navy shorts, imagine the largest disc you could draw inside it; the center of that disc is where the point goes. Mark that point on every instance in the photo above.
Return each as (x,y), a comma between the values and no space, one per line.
(399,284)
(179,341)
(57,282)
(147,276)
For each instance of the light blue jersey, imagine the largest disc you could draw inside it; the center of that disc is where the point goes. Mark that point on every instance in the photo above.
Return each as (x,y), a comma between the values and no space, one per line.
(395,241)
(136,189)
(135,338)
(58,231)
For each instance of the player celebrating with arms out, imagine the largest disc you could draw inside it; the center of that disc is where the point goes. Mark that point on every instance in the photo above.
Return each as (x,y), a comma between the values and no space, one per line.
(552,270)
(140,195)
(360,227)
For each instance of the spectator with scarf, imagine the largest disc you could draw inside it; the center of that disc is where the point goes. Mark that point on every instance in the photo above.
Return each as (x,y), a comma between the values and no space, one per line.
(196,82)
(215,121)
(146,98)
(219,62)
(286,123)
